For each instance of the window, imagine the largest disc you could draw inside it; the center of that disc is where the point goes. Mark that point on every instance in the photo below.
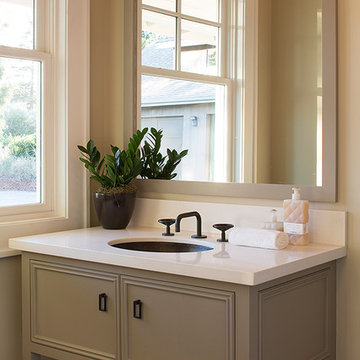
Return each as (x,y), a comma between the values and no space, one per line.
(44,90)
(186,83)
(24,97)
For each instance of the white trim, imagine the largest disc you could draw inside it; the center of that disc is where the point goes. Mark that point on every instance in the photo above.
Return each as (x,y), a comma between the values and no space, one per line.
(138,26)
(41,17)
(162,116)
(178,103)
(326,192)
(178,37)
(45,177)
(25,54)
(183,75)
(249,120)
(180,15)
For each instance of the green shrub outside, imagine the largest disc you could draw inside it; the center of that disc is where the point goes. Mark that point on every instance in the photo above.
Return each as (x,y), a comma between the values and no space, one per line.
(22,146)
(18,122)
(19,168)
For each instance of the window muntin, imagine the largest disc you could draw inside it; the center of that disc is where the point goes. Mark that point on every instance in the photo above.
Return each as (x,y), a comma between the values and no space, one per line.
(188,95)
(17,23)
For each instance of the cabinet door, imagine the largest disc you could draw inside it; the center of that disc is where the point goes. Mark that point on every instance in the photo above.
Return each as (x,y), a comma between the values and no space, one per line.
(297,318)
(75,310)
(163,321)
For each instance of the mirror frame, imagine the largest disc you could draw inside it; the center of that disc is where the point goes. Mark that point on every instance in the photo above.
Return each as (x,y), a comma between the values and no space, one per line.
(325,193)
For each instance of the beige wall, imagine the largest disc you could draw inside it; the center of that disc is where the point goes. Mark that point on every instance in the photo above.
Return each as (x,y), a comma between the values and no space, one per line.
(288,68)
(294,69)
(10,308)
(107,73)
(348,286)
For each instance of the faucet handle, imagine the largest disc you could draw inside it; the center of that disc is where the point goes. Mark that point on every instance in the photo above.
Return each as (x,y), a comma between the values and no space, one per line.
(223,228)
(167,223)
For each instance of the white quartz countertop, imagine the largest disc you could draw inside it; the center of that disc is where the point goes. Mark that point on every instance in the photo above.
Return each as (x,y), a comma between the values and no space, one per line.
(226,262)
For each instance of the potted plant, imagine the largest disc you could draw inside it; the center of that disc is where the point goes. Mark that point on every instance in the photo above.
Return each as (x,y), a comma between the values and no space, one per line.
(115,199)
(155,165)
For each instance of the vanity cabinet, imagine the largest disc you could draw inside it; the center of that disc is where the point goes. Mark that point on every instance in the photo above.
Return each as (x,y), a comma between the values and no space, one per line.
(77,310)
(74,309)
(171,321)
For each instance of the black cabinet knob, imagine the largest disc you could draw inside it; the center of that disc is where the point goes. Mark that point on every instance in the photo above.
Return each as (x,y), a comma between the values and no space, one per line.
(102,302)
(223,228)
(167,223)
(137,309)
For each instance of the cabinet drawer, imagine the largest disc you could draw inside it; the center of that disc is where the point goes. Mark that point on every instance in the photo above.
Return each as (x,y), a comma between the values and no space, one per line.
(163,321)
(74,309)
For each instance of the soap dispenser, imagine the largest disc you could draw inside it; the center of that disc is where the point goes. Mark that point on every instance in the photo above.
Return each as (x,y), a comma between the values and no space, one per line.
(273,223)
(296,218)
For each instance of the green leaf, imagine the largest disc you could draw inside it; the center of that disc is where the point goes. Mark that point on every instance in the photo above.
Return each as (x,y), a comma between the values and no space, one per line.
(90,146)
(82,149)
(85,161)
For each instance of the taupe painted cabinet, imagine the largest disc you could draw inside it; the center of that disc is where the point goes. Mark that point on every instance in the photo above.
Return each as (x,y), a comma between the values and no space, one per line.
(76,310)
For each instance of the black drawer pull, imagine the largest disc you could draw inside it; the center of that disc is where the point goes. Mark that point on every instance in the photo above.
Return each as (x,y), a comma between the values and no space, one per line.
(137,309)
(102,302)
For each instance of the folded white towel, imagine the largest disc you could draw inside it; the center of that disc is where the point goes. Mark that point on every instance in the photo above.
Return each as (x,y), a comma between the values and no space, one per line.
(268,239)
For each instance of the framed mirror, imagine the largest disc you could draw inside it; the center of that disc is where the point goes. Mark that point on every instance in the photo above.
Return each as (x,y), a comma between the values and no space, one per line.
(248,87)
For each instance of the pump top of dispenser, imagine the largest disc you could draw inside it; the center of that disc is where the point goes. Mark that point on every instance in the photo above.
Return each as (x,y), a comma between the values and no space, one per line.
(296,193)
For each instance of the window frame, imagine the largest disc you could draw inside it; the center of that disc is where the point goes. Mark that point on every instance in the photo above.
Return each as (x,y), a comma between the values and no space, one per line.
(64,51)
(41,54)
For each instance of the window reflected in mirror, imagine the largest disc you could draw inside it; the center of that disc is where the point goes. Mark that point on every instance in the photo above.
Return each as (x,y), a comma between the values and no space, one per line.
(241,89)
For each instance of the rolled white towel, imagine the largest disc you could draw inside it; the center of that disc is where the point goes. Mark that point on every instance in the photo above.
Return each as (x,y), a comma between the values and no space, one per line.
(268,239)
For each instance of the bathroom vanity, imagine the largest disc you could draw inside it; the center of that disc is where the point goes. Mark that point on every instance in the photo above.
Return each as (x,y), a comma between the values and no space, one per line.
(83,299)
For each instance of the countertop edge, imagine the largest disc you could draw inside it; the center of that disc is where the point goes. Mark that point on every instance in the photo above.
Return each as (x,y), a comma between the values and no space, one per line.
(261,277)
(191,270)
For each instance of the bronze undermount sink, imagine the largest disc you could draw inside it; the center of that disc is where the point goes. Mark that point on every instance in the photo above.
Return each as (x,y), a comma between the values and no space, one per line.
(160,246)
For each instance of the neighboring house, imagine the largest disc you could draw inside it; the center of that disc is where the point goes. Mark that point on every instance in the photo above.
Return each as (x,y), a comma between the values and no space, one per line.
(184,110)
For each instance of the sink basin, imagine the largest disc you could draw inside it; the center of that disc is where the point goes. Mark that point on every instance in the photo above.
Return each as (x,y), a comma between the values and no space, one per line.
(154,245)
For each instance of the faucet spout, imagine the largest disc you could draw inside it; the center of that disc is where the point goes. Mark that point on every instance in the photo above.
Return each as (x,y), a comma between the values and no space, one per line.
(198,223)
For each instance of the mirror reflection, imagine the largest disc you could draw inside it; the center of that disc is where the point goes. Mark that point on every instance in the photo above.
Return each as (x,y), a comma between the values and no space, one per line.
(289,108)
(191,91)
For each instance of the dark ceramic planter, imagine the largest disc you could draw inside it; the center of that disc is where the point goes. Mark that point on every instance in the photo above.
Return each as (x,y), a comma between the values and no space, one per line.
(114,211)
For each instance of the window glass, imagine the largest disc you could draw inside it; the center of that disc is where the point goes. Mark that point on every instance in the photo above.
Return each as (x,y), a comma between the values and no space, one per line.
(163,4)
(17,23)
(204,9)
(20,119)
(190,114)
(199,48)
(158,40)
